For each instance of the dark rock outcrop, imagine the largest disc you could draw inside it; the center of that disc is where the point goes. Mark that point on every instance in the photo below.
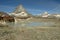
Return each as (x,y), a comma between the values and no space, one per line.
(5,17)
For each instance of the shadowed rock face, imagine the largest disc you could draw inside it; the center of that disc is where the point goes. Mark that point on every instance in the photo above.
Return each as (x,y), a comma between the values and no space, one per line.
(5,17)
(8,19)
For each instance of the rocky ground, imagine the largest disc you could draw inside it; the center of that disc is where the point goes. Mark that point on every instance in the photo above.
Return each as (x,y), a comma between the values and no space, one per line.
(30,33)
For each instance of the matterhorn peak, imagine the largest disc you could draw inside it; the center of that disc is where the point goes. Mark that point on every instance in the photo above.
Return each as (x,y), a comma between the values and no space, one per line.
(21,12)
(19,9)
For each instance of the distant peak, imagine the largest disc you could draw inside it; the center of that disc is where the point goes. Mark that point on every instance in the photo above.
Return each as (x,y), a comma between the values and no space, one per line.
(19,9)
(46,12)
(20,6)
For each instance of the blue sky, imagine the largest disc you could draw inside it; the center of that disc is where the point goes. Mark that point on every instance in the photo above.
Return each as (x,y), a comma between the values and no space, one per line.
(32,6)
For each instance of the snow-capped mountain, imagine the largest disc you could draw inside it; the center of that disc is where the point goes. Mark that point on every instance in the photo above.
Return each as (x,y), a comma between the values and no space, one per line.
(19,9)
(45,14)
(20,12)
